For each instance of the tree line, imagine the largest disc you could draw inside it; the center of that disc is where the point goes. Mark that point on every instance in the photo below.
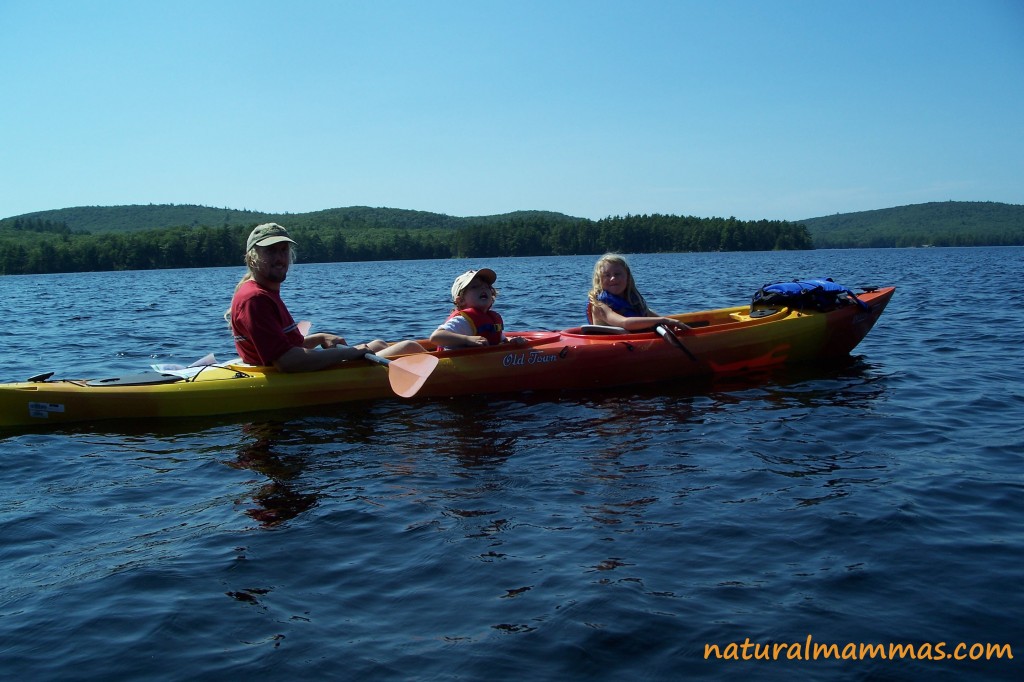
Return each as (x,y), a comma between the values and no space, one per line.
(916,238)
(27,248)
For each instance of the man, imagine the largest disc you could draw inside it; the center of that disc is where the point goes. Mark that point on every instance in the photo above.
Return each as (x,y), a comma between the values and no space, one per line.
(265,333)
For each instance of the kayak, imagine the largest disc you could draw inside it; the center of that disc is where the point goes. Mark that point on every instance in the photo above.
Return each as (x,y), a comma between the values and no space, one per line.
(718,342)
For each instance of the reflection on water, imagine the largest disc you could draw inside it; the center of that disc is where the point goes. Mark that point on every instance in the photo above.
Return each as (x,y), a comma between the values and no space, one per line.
(277,499)
(474,433)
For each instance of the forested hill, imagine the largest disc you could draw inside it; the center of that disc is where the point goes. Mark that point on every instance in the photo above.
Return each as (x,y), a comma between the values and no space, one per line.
(183,236)
(947,223)
(151,237)
(97,219)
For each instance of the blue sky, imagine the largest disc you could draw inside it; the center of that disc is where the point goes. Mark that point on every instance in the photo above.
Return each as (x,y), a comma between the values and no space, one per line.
(778,109)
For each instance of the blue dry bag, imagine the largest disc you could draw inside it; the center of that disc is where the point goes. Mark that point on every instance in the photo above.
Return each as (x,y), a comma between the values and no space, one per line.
(821,294)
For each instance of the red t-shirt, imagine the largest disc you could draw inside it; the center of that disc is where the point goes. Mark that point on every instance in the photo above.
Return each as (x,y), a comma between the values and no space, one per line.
(264,329)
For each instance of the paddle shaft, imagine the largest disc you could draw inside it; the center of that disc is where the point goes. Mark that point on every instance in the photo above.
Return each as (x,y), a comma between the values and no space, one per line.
(671,338)
(376,358)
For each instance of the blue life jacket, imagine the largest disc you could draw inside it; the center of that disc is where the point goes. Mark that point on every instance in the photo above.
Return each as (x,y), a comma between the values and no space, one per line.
(619,305)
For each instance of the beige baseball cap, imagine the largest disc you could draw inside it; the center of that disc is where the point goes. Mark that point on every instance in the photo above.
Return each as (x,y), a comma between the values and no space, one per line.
(463,280)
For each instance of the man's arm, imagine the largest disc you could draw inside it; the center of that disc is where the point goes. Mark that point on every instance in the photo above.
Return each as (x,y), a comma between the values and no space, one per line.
(297,359)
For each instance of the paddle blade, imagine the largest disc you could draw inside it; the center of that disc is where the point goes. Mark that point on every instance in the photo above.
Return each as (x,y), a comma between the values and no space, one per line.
(408,373)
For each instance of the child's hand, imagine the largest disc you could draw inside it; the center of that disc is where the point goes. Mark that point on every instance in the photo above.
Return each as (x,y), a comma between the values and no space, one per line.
(477,341)
(518,340)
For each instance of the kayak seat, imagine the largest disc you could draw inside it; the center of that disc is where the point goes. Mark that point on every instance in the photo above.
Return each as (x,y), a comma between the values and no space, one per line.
(601,329)
(143,379)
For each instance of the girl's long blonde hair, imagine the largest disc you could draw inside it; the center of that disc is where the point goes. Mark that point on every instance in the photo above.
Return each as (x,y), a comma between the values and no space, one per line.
(631,294)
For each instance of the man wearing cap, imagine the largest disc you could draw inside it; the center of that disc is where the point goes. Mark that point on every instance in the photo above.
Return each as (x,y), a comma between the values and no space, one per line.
(264,331)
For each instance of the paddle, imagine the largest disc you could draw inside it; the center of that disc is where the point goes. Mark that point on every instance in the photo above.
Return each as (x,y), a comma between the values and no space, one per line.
(666,334)
(408,373)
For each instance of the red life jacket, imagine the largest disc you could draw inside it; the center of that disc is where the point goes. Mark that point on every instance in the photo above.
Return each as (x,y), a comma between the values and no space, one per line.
(487,324)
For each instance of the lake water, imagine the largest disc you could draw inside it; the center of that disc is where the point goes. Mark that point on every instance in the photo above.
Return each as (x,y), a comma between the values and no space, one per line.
(606,535)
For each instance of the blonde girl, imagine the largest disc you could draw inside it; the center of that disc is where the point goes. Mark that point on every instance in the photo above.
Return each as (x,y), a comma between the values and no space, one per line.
(615,301)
